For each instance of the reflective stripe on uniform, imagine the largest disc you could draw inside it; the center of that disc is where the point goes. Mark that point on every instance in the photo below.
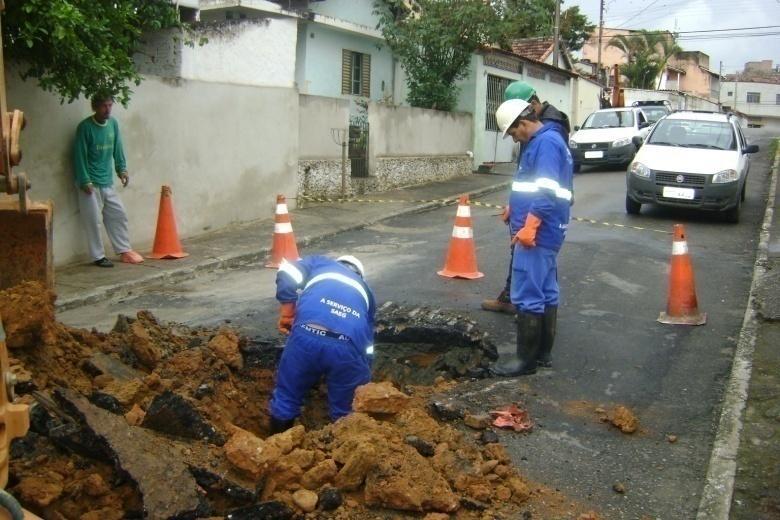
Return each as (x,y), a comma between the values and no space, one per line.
(339,278)
(543,183)
(462,232)
(290,269)
(370,350)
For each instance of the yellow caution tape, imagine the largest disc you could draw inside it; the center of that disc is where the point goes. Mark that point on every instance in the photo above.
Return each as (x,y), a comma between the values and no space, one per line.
(446,202)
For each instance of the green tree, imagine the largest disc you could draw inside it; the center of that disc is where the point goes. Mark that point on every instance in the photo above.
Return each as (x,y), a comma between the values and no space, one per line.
(81,47)
(434,41)
(575,28)
(647,53)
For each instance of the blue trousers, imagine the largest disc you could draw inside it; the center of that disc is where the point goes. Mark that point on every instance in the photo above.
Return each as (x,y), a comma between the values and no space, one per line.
(306,358)
(534,279)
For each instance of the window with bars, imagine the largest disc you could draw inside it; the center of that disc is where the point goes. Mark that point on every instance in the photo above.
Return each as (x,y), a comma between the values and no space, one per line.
(495,96)
(355,73)
(754,97)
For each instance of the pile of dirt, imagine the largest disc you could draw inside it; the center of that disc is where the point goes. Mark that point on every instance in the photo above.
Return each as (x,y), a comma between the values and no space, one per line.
(115,415)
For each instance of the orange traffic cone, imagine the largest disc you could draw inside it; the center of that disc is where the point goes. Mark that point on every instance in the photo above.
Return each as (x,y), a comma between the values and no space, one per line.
(284,242)
(166,238)
(462,257)
(682,308)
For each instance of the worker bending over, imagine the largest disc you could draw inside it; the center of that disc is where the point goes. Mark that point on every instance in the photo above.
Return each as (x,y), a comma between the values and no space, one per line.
(328,311)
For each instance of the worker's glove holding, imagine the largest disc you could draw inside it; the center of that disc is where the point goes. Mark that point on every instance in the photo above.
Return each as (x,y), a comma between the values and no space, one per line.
(505,214)
(527,234)
(286,317)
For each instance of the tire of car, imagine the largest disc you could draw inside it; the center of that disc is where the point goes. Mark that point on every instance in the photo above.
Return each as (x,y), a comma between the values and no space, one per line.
(742,193)
(732,215)
(632,207)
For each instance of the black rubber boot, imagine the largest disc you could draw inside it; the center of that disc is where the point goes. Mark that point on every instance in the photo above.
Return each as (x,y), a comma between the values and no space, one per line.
(548,337)
(529,337)
(501,304)
(279,425)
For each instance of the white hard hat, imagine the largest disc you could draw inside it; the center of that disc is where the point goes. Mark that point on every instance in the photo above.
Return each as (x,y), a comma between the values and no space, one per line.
(349,259)
(509,111)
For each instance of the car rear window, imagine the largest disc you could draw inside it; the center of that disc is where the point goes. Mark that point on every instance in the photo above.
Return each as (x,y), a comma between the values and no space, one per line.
(653,114)
(611,119)
(690,133)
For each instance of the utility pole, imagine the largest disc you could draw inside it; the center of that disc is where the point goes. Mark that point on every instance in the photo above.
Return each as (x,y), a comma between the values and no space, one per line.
(557,34)
(601,32)
(720,84)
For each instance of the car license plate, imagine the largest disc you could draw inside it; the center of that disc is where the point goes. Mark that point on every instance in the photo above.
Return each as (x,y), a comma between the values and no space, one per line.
(594,155)
(678,193)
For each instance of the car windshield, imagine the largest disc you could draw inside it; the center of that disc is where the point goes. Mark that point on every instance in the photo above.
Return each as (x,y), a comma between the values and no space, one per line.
(688,133)
(610,119)
(653,114)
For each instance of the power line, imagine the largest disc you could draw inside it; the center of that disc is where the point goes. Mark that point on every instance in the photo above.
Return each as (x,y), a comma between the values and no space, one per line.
(640,12)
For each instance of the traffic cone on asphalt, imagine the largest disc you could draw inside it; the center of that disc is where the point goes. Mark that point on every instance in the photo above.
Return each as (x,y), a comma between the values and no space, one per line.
(462,257)
(682,307)
(284,242)
(166,238)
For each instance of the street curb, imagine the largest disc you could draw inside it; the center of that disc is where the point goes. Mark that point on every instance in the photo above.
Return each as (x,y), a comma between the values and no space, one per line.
(715,503)
(89,297)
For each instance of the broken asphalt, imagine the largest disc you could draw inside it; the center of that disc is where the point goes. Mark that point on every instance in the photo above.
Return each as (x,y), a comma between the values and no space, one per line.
(743,478)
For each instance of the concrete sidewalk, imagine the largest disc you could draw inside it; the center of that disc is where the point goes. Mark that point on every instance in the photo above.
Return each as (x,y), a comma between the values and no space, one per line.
(83,284)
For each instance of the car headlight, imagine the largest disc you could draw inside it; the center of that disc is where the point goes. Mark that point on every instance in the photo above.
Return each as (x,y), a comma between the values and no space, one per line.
(725,176)
(621,142)
(572,143)
(640,170)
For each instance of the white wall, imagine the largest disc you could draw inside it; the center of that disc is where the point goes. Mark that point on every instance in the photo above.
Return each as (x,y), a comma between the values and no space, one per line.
(318,116)
(769,105)
(225,150)
(586,101)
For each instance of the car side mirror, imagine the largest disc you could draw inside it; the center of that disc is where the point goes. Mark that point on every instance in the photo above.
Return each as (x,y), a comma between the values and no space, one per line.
(644,124)
(576,127)
(751,148)
(637,141)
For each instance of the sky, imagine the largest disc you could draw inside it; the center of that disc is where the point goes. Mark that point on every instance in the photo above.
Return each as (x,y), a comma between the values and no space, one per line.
(733,48)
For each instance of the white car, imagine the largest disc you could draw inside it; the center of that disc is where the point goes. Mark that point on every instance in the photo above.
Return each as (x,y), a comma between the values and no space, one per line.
(691,159)
(607,137)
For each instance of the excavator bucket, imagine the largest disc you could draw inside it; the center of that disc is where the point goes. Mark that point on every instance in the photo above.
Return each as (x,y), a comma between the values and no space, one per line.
(26,252)
(25,227)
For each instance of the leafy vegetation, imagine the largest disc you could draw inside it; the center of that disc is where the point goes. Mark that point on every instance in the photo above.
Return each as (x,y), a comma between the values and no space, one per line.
(82,47)
(647,53)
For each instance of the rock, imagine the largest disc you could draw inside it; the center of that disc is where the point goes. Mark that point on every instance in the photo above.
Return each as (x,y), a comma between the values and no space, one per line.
(424,448)
(302,458)
(496,452)
(225,347)
(38,491)
(520,491)
(503,493)
(306,500)
(477,422)
(140,343)
(436,516)
(95,486)
(619,487)
(488,437)
(330,499)
(263,511)
(124,391)
(671,439)
(380,398)
(106,402)
(354,471)
(624,419)
(172,414)
(104,366)
(488,466)
(446,411)
(288,439)
(472,505)
(502,470)
(105,513)
(135,416)
(249,453)
(320,474)
(408,482)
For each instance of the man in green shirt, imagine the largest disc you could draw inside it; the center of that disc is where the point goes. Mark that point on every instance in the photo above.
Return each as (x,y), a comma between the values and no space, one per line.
(97,154)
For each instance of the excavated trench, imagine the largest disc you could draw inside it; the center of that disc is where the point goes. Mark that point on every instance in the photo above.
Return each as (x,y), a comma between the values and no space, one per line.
(159,420)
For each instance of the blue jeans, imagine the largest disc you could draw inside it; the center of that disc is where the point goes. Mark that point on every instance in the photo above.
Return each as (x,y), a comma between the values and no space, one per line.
(306,358)
(534,279)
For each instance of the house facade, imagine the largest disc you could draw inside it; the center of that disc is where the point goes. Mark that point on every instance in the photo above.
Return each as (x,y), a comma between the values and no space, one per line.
(757,100)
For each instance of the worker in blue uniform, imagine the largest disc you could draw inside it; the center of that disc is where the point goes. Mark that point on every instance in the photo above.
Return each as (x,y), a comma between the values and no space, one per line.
(549,116)
(328,311)
(538,219)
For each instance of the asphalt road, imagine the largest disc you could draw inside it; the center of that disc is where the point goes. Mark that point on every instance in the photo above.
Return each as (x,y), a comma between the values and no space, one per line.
(610,349)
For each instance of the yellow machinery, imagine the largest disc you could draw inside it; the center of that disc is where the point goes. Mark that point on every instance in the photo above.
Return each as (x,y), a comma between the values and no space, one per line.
(25,227)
